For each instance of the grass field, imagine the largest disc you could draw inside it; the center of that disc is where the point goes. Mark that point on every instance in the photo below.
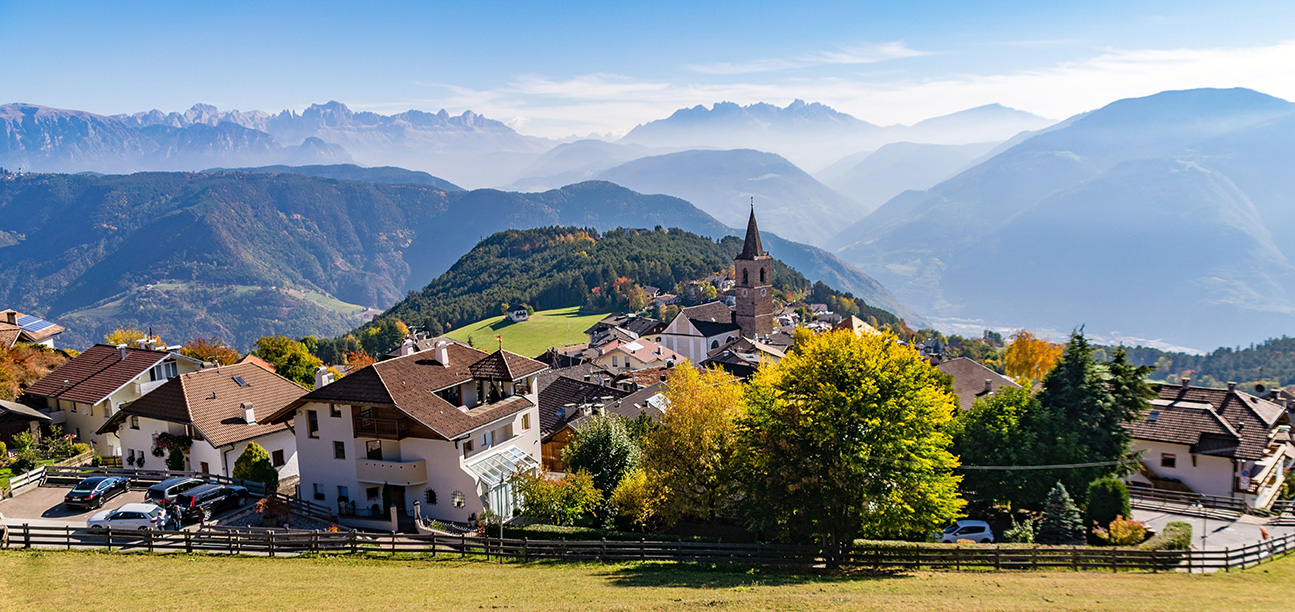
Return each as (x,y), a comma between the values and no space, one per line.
(545,329)
(87,581)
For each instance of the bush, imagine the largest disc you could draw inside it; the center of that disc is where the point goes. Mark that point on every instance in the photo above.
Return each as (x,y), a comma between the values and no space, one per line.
(80,448)
(1122,532)
(1108,499)
(23,441)
(26,461)
(175,460)
(1020,533)
(1176,536)
(254,465)
(633,500)
(559,501)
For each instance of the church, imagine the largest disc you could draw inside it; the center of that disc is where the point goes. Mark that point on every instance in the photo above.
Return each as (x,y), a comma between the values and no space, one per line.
(698,331)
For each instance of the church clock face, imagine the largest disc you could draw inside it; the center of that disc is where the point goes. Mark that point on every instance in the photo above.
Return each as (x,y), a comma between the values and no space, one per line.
(764,292)
(744,293)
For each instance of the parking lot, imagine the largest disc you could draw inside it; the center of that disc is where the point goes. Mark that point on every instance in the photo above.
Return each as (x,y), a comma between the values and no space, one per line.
(44,506)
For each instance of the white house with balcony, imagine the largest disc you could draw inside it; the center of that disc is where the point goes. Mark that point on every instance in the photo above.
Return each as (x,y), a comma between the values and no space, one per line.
(82,394)
(216,410)
(445,428)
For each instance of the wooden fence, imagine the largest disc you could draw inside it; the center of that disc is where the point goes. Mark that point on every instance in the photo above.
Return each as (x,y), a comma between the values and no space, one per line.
(66,475)
(275,543)
(1189,499)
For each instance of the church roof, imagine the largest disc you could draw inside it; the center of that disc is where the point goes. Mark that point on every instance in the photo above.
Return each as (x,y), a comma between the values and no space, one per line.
(752,248)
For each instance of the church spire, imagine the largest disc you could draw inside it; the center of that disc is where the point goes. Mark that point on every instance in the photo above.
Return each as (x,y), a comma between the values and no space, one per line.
(752,247)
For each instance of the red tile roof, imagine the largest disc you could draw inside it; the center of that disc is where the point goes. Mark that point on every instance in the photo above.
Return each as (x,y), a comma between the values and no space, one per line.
(1222,422)
(95,374)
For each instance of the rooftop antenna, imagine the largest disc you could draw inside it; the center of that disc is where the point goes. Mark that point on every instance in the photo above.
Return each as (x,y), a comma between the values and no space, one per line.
(753,202)
(500,338)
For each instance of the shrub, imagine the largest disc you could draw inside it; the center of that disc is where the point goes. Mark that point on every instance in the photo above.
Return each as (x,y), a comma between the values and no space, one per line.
(1061,523)
(175,460)
(559,501)
(1175,536)
(23,441)
(273,511)
(26,461)
(80,448)
(3,450)
(254,465)
(1121,532)
(1108,499)
(633,500)
(1020,533)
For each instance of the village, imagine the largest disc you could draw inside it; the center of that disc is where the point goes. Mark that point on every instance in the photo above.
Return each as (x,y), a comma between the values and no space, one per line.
(638,432)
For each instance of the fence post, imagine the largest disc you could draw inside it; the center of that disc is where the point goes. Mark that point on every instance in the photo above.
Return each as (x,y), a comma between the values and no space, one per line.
(354,538)
(271,543)
(1227,559)
(1034,557)
(188,541)
(149,536)
(393,544)
(110,537)
(602,557)
(67,533)
(526,548)
(26,536)
(433,544)
(1115,554)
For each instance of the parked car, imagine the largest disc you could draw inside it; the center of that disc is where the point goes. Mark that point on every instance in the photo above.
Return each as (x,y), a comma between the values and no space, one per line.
(129,516)
(165,492)
(95,490)
(976,531)
(206,500)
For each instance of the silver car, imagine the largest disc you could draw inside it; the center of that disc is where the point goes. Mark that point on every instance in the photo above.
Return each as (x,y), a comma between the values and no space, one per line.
(129,516)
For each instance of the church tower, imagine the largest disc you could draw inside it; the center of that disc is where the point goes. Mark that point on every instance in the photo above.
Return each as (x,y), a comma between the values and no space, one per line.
(754,269)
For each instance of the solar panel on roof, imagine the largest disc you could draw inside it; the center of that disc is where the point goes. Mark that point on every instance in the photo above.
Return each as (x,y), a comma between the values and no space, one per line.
(33,324)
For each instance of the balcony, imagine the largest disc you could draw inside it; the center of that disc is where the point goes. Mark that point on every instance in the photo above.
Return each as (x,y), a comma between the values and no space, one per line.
(381,428)
(396,473)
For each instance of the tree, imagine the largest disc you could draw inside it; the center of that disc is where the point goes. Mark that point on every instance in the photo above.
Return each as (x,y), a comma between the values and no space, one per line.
(561,502)
(384,336)
(992,433)
(213,350)
(1107,500)
(602,446)
(846,436)
(634,500)
(22,365)
(689,459)
(1060,523)
(290,358)
(254,465)
(128,336)
(358,359)
(1028,358)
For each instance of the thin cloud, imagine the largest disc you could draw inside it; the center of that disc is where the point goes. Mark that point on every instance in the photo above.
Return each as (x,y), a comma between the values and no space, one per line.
(861,54)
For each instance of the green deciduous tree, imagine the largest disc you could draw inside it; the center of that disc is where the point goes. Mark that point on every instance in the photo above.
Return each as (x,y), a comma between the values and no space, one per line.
(254,465)
(602,446)
(993,433)
(1060,523)
(290,358)
(561,502)
(848,436)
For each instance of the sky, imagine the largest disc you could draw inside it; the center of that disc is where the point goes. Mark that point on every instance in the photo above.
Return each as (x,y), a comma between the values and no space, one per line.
(578,68)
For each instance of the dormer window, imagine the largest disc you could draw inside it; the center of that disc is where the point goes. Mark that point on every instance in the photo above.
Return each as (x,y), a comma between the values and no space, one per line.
(163,371)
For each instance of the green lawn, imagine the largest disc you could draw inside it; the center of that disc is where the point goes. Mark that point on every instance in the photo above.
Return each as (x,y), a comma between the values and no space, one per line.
(545,329)
(88,581)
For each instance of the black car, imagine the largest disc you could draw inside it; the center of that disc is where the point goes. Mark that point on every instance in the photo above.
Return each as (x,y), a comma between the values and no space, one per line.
(95,490)
(165,492)
(206,500)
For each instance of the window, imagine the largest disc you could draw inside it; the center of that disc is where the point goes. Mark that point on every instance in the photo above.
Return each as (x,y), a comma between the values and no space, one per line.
(1168,460)
(163,371)
(339,449)
(319,491)
(746,278)
(430,496)
(613,361)
(372,492)
(458,499)
(487,439)
(714,344)
(334,411)
(240,381)
(762,279)
(134,422)
(343,493)
(467,447)
(276,458)
(373,449)
(522,387)
(1154,416)
(526,421)
(312,423)
(205,469)
(452,395)
(73,407)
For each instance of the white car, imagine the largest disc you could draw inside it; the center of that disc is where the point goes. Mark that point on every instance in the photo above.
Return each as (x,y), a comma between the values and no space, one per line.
(976,531)
(130,516)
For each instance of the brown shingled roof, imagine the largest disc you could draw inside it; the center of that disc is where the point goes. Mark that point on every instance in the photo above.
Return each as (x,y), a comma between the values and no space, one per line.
(563,391)
(9,334)
(969,378)
(1193,424)
(212,401)
(95,374)
(410,383)
(1249,418)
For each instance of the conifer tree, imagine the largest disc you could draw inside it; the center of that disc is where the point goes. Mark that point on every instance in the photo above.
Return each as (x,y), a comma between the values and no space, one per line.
(1061,523)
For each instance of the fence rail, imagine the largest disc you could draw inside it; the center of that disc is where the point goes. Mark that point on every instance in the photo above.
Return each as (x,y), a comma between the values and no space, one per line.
(1181,497)
(274,543)
(75,474)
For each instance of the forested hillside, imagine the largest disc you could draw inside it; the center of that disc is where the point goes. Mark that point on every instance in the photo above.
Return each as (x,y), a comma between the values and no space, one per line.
(555,267)
(1271,362)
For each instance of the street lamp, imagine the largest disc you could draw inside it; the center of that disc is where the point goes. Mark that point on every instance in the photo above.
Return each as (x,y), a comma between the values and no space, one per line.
(1205,525)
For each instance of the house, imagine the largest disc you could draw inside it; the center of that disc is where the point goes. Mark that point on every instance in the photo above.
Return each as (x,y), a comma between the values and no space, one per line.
(254,360)
(517,315)
(18,327)
(561,403)
(696,330)
(16,418)
(971,380)
(741,356)
(445,428)
(1213,441)
(650,291)
(620,356)
(90,388)
(416,342)
(221,410)
(665,299)
(856,325)
(637,326)
(818,309)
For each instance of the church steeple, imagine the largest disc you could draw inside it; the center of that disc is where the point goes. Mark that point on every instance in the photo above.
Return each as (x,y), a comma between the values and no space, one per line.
(752,247)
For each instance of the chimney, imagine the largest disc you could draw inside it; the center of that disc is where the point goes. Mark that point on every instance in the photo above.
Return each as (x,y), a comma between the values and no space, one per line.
(587,376)
(322,377)
(407,348)
(11,317)
(122,349)
(989,385)
(1186,382)
(249,415)
(443,353)
(1232,387)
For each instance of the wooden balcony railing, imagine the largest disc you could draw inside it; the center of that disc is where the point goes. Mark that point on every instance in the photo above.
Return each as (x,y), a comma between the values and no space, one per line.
(386,429)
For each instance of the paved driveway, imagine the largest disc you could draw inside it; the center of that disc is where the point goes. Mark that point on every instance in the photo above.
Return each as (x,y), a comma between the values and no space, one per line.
(1220,534)
(44,506)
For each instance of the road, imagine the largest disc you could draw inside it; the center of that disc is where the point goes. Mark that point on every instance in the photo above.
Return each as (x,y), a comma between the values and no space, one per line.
(1219,534)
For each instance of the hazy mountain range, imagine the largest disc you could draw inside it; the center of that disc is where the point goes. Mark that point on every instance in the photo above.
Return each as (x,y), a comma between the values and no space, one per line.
(242,254)
(1160,217)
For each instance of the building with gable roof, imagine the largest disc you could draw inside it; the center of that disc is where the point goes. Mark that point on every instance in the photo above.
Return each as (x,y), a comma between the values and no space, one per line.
(446,428)
(17,327)
(87,390)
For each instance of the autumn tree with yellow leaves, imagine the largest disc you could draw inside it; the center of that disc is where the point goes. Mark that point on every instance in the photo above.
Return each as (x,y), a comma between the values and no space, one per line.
(1029,358)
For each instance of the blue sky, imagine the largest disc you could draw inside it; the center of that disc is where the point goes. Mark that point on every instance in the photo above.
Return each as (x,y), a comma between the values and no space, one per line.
(555,69)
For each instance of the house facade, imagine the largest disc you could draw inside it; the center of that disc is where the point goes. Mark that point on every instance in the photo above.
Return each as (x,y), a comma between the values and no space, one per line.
(697,330)
(217,410)
(16,327)
(621,356)
(444,428)
(82,394)
(1212,441)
